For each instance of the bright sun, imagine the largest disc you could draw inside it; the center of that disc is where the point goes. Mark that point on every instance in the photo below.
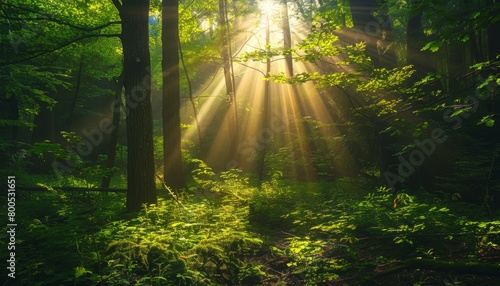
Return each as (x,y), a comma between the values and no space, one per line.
(268,7)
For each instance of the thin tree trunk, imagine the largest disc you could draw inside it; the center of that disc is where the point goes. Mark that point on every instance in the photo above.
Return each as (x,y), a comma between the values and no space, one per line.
(173,168)
(226,60)
(267,102)
(191,99)
(44,129)
(137,85)
(287,37)
(77,93)
(234,104)
(13,114)
(113,140)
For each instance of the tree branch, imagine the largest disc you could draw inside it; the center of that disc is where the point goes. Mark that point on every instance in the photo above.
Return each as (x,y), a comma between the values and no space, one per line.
(118,5)
(47,17)
(59,47)
(84,29)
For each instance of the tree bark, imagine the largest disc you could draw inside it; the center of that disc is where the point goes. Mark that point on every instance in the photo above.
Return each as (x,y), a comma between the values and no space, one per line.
(137,84)
(173,168)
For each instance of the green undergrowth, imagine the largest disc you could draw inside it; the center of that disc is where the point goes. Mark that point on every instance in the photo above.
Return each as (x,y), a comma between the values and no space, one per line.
(335,238)
(228,230)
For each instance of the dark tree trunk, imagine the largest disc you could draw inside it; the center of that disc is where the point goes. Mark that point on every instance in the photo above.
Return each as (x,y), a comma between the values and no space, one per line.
(415,39)
(12,110)
(493,37)
(137,83)
(173,168)
(44,129)
(366,26)
(422,61)
(113,140)
(376,34)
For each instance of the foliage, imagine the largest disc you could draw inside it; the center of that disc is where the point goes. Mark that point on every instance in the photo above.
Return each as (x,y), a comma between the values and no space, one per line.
(315,233)
(228,229)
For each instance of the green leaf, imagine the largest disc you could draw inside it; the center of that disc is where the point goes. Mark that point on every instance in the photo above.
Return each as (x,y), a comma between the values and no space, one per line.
(432,46)
(80,271)
(475,15)
(487,120)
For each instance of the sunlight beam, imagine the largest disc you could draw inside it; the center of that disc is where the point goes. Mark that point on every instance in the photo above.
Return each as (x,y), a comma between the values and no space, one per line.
(268,7)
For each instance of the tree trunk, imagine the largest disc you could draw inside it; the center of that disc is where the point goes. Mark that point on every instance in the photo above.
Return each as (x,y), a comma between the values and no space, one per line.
(267,102)
(77,93)
(493,38)
(226,59)
(366,26)
(191,99)
(287,37)
(173,168)
(113,140)
(44,129)
(10,107)
(415,40)
(375,34)
(137,83)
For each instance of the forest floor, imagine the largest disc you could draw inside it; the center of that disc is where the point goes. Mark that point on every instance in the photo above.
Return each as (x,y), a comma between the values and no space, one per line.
(237,232)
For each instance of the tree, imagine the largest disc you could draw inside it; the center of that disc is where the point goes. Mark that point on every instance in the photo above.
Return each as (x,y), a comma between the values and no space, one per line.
(375,32)
(287,37)
(228,77)
(137,84)
(111,156)
(173,168)
(267,90)
(43,46)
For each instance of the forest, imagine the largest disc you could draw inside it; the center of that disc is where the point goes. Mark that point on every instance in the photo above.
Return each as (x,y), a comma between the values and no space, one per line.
(259,142)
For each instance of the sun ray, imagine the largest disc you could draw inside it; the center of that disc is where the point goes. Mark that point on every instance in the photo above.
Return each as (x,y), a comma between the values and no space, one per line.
(297,113)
